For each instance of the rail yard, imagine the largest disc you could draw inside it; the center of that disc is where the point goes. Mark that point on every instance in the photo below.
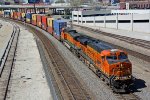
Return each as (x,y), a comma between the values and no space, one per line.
(75,63)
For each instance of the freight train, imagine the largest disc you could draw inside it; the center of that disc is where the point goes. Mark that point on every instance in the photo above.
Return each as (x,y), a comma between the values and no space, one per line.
(110,64)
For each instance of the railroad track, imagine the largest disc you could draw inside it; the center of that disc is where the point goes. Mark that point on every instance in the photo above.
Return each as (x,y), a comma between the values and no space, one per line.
(1,25)
(6,63)
(120,96)
(130,96)
(70,84)
(67,79)
(137,42)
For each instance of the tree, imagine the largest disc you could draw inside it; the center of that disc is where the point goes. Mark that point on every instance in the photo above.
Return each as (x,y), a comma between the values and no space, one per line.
(75,3)
(60,1)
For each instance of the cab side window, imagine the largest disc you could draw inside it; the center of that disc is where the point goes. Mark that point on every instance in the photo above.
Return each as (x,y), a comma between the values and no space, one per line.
(122,56)
(103,58)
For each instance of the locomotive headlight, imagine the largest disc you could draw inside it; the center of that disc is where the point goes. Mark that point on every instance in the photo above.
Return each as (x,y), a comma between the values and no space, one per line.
(117,78)
(129,76)
(121,65)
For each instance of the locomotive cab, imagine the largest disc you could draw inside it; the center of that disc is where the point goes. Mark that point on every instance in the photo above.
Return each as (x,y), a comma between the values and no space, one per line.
(119,69)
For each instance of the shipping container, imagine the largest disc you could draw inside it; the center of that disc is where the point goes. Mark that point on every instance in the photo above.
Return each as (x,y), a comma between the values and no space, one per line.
(15,16)
(1,13)
(39,21)
(12,15)
(7,3)
(34,19)
(19,15)
(44,22)
(7,13)
(50,25)
(33,1)
(58,25)
(16,1)
(23,15)
(28,17)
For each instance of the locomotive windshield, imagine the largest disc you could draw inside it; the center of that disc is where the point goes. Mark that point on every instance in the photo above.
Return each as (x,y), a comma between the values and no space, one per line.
(122,56)
(112,57)
(115,58)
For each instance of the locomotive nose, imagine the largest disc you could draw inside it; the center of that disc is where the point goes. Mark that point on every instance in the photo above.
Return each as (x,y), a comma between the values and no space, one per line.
(124,70)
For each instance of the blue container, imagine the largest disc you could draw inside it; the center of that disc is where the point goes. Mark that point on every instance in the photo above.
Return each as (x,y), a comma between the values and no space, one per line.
(33,1)
(6,13)
(58,25)
(28,17)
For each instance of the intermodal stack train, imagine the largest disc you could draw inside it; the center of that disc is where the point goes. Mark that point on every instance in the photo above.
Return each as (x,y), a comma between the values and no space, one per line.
(110,64)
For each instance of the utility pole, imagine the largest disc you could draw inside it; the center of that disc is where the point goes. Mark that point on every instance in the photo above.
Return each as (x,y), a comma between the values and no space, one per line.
(34,6)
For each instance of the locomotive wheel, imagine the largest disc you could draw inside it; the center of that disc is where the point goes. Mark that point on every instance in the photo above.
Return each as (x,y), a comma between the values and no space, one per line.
(103,79)
(98,73)
(107,83)
(71,49)
(78,55)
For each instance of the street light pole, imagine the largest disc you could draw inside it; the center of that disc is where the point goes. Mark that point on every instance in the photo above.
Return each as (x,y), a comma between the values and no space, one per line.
(34,6)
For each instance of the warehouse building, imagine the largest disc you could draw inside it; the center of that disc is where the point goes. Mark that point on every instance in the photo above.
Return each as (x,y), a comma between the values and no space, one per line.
(134,4)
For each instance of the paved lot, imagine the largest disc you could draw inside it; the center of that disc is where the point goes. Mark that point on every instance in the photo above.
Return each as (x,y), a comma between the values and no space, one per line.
(28,81)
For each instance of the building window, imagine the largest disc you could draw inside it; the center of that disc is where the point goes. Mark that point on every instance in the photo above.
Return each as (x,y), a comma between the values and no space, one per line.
(140,6)
(75,20)
(124,21)
(146,5)
(110,21)
(99,21)
(89,21)
(141,21)
(75,15)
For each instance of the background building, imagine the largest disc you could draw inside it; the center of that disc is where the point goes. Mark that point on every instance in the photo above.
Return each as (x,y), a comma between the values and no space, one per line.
(47,1)
(34,1)
(106,1)
(134,4)
(6,1)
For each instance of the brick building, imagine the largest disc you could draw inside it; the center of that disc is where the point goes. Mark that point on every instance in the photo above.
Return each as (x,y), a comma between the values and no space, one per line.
(135,4)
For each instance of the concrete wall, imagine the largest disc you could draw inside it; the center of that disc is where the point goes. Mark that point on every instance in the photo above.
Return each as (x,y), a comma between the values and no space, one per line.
(91,12)
(131,22)
(125,26)
(111,24)
(145,11)
(141,27)
(100,18)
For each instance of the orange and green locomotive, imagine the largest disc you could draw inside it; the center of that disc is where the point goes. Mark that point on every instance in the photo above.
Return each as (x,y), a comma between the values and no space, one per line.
(110,64)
